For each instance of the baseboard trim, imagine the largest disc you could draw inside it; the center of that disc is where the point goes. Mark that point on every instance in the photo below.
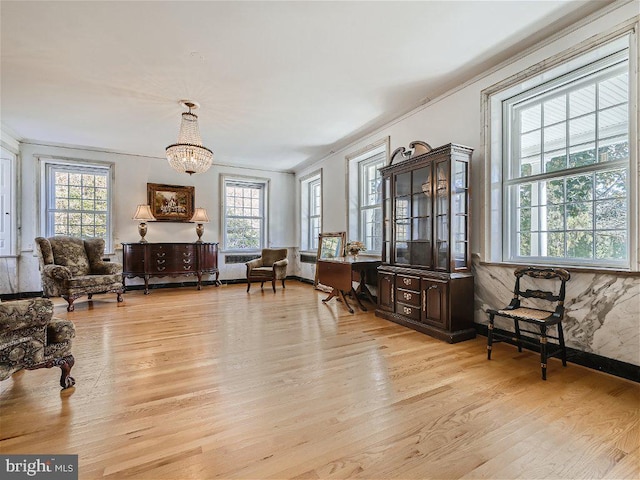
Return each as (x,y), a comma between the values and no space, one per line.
(617,368)
(19,296)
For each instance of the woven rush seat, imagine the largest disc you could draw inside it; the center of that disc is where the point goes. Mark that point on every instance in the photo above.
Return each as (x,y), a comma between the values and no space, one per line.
(526,314)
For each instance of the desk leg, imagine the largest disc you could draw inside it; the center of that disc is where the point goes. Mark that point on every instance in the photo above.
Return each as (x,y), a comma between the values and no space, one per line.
(334,293)
(344,299)
(340,294)
(355,295)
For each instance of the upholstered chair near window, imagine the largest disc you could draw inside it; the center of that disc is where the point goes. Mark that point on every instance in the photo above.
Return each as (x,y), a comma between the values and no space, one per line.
(72,267)
(271,266)
(31,338)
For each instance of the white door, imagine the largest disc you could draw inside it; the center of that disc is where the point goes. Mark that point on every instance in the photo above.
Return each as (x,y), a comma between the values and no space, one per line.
(7,185)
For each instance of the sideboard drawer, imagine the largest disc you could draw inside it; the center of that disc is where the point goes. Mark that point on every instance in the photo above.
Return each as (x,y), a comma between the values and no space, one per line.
(408,283)
(408,311)
(407,296)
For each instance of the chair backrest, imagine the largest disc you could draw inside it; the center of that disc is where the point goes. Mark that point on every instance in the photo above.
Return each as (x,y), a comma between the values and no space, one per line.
(272,255)
(545,273)
(67,251)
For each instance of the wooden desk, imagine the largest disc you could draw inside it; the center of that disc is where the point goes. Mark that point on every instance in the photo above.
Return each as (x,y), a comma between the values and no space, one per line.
(339,274)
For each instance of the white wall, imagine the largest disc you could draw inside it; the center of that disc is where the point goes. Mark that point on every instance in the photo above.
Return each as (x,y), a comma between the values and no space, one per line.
(456,117)
(132,173)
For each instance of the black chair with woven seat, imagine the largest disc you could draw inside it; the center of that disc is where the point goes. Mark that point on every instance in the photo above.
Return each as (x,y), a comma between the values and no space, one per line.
(542,318)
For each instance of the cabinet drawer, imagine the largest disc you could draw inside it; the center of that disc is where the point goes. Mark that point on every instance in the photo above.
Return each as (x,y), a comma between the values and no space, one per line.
(408,283)
(408,296)
(408,311)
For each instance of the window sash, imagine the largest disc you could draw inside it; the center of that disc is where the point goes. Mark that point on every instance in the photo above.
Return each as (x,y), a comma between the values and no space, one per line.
(77,212)
(370,201)
(315,213)
(595,235)
(254,222)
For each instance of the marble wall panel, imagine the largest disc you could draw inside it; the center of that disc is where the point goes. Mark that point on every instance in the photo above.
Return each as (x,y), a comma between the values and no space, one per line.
(602,309)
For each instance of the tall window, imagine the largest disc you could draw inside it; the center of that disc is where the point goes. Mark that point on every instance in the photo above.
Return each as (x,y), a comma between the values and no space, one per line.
(370,201)
(78,201)
(244,214)
(567,166)
(311,212)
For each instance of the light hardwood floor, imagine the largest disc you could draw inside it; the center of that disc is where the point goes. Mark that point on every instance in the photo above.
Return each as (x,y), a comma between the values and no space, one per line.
(182,384)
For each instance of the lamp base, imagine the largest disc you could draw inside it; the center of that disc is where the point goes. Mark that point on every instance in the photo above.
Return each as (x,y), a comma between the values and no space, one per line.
(142,231)
(200,232)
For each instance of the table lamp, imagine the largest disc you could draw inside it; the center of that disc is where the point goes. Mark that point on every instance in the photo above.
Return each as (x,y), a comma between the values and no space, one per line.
(200,217)
(143,213)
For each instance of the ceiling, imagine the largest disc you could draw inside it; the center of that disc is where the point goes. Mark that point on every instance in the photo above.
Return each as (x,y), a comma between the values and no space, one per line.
(279,83)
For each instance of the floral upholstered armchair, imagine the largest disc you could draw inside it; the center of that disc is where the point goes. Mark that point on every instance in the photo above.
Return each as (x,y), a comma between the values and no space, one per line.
(31,338)
(271,266)
(72,267)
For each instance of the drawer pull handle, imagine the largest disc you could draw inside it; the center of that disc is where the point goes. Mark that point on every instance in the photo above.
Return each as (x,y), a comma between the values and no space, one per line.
(406,310)
(406,281)
(160,262)
(407,296)
(161,268)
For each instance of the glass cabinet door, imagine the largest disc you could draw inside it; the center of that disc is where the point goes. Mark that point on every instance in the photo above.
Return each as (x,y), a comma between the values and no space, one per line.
(386,219)
(402,218)
(441,186)
(460,213)
(421,217)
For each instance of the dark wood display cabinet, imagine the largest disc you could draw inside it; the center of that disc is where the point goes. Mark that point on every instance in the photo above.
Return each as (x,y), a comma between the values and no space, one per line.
(169,259)
(425,280)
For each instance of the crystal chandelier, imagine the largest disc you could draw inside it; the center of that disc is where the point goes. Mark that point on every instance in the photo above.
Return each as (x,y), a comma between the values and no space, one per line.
(188,155)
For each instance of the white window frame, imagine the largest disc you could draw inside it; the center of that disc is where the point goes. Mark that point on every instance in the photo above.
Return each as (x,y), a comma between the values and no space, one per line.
(246,182)
(308,237)
(47,194)
(498,224)
(356,162)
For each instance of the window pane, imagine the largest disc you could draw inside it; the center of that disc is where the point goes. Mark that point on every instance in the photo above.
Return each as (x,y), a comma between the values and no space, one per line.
(580,244)
(613,121)
(530,118)
(613,91)
(582,130)
(611,245)
(611,184)
(555,110)
(582,101)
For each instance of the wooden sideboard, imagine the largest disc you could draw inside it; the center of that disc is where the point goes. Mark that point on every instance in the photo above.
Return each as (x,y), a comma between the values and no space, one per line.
(169,259)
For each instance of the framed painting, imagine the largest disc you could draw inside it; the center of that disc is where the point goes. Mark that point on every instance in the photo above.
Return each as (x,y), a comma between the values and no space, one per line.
(171,203)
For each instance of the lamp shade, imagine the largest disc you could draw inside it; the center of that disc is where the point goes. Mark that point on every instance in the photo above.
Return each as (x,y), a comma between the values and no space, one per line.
(143,213)
(200,216)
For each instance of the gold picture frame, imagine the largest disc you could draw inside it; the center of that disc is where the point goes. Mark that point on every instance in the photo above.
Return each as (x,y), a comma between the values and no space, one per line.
(171,203)
(330,245)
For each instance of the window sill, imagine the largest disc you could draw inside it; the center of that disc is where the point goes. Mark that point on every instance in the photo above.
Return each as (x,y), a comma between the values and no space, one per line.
(569,268)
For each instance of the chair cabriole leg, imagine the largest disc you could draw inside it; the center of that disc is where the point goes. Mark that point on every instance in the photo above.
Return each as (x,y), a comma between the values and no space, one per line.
(273,284)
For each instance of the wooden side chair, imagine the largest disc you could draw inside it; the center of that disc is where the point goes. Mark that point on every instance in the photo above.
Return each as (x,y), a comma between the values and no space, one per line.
(540,318)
